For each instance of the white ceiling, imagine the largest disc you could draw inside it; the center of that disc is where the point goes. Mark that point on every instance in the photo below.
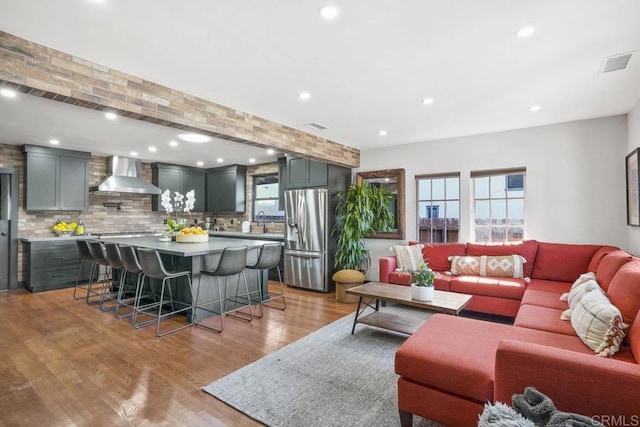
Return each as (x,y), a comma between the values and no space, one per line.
(368,70)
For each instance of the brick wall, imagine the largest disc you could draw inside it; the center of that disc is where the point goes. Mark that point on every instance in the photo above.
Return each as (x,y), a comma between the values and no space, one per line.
(135,213)
(42,71)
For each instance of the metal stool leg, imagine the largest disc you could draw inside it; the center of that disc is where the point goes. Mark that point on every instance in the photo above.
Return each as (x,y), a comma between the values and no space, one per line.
(277,296)
(237,314)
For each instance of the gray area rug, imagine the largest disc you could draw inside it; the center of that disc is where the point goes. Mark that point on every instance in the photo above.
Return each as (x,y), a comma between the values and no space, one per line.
(328,378)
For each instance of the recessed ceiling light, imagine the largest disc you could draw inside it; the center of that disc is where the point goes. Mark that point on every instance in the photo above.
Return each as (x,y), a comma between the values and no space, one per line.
(271,151)
(534,108)
(200,163)
(8,93)
(54,142)
(134,153)
(382,133)
(219,160)
(328,12)
(173,143)
(427,101)
(252,160)
(153,149)
(304,95)
(196,138)
(111,116)
(525,32)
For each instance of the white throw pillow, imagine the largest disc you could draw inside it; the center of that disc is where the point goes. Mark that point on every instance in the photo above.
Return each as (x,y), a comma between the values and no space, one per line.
(408,257)
(580,280)
(598,323)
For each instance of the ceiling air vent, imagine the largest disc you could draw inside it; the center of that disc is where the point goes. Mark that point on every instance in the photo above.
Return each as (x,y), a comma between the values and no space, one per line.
(315,126)
(616,62)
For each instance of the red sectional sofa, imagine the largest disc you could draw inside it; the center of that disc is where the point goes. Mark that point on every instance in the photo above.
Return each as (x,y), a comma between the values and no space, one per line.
(453,365)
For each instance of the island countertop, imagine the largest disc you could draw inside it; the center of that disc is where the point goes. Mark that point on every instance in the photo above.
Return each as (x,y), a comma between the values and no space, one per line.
(214,245)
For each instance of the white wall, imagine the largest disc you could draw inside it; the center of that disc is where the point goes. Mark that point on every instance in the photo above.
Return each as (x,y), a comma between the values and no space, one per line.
(575,181)
(634,142)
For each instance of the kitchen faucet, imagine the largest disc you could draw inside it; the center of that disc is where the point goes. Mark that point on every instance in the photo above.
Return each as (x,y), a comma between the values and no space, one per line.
(264,221)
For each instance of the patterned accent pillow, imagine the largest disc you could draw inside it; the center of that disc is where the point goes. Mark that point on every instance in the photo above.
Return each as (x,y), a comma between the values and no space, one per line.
(408,257)
(465,265)
(488,265)
(598,323)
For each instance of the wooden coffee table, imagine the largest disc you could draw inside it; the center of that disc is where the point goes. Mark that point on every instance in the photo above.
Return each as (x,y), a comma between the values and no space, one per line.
(443,302)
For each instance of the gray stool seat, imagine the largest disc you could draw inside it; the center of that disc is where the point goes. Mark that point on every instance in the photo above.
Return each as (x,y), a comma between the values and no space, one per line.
(85,257)
(153,268)
(268,258)
(232,263)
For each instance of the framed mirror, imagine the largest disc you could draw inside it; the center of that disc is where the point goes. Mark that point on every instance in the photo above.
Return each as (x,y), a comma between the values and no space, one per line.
(391,180)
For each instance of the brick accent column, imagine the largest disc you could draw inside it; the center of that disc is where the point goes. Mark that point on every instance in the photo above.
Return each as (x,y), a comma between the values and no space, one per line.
(41,71)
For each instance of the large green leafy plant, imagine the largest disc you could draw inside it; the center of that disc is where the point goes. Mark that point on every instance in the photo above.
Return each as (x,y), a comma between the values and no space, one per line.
(361,210)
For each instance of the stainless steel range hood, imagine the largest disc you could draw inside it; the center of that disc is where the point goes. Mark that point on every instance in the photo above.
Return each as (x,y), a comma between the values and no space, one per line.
(125,178)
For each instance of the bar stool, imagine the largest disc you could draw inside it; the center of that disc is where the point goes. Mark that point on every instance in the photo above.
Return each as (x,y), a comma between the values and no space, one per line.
(112,254)
(85,257)
(232,262)
(130,265)
(268,258)
(153,268)
(97,251)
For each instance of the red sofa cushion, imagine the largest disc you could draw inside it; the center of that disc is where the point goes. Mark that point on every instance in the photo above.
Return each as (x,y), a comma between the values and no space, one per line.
(624,291)
(399,278)
(599,255)
(549,286)
(609,266)
(436,254)
(457,355)
(543,319)
(489,286)
(562,262)
(527,249)
(543,299)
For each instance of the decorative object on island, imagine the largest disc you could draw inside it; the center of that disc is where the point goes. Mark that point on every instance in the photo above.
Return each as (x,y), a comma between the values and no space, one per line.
(180,203)
(361,209)
(422,282)
(347,279)
(192,235)
(64,229)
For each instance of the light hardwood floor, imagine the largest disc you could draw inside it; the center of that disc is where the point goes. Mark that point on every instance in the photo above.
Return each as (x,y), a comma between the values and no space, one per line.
(65,363)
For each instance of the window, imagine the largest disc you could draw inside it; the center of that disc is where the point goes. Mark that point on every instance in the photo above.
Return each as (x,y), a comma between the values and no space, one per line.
(498,205)
(265,197)
(438,208)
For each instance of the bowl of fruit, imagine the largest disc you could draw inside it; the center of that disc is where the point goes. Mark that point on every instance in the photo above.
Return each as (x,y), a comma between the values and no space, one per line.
(64,229)
(192,235)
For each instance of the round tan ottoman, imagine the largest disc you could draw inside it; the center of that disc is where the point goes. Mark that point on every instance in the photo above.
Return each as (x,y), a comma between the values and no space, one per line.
(346,279)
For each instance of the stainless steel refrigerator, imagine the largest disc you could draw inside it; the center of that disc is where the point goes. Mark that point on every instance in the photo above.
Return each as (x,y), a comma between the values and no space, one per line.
(306,239)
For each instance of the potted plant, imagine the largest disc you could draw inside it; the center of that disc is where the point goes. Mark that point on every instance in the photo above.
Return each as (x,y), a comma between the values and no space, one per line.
(361,209)
(422,282)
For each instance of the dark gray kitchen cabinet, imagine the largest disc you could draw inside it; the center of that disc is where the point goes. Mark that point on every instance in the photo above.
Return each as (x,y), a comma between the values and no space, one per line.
(56,179)
(306,173)
(226,190)
(53,265)
(181,179)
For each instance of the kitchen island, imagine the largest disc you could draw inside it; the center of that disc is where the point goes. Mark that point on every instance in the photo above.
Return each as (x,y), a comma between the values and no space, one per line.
(196,257)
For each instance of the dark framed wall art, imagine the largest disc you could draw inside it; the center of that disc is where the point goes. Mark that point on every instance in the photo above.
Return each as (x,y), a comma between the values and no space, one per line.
(633,188)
